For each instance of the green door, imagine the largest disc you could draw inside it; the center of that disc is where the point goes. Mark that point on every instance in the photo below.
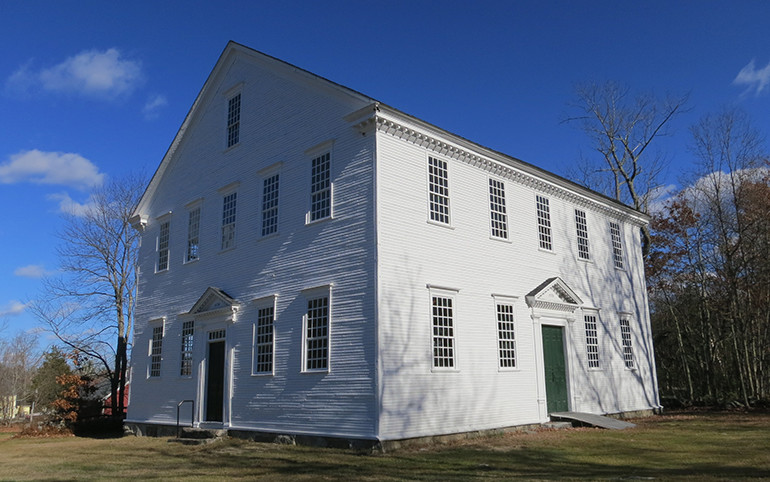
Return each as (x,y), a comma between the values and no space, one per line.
(555,369)
(215,382)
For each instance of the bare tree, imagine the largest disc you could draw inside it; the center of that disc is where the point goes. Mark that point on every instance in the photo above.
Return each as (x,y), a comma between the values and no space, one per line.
(90,308)
(18,360)
(621,129)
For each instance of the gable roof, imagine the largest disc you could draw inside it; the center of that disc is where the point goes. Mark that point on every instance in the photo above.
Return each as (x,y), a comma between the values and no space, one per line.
(375,108)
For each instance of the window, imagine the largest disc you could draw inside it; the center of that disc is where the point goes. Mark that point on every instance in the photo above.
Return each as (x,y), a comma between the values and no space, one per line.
(262,357)
(628,351)
(233,120)
(163,246)
(156,348)
(317,334)
(582,234)
(544,222)
(193,234)
(320,188)
(506,337)
(498,215)
(438,187)
(188,327)
(443,332)
(592,341)
(617,246)
(270,205)
(228,220)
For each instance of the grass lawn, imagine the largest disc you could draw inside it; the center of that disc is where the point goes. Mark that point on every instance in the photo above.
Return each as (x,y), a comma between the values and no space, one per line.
(692,446)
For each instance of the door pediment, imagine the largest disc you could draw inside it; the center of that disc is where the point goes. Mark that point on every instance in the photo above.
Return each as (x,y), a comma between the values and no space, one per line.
(554,295)
(215,303)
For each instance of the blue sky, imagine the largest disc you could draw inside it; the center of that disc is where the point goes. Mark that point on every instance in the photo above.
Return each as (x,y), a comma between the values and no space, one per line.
(91,90)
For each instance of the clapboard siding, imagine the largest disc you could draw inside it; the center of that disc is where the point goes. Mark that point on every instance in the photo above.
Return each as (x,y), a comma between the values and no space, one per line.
(280,120)
(414,253)
(380,258)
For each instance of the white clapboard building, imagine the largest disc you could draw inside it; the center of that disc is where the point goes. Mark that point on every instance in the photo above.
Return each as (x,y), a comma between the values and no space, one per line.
(318,264)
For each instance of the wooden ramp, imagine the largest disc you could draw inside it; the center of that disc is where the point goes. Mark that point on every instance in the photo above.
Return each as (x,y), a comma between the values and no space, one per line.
(591,420)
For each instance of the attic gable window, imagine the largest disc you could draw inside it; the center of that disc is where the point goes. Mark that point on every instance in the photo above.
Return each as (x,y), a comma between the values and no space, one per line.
(233,120)
(497,212)
(228,220)
(320,188)
(544,223)
(617,245)
(581,226)
(438,190)
(163,238)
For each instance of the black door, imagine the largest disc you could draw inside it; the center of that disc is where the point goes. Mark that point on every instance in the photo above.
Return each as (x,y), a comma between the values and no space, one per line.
(215,382)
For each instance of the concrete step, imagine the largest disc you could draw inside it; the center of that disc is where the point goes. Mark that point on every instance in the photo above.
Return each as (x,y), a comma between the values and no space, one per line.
(198,436)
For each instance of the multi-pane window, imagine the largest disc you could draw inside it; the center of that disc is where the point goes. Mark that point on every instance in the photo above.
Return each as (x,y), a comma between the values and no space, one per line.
(438,188)
(193,234)
(233,120)
(263,340)
(544,222)
(592,341)
(188,327)
(163,246)
(443,332)
(270,205)
(228,220)
(506,337)
(321,188)
(582,234)
(617,246)
(497,212)
(156,348)
(628,350)
(317,334)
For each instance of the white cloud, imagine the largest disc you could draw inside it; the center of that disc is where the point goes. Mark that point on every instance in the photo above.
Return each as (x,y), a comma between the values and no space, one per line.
(91,73)
(754,80)
(12,308)
(62,168)
(153,105)
(68,205)
(659,196)
(34,271)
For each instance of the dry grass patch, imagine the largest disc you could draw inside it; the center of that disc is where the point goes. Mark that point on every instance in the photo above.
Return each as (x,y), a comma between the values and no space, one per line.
(687,446)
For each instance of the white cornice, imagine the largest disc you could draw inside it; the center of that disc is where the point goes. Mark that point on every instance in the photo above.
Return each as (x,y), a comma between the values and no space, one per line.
(498,165)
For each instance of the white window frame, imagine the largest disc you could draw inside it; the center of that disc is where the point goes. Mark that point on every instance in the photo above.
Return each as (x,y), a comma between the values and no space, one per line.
(439,201)
(498,213)
(155,348)
(321,192)
(626,338)
(593,344)
(163,259)
(544,226)
(506,328)
(581,233)
(616,243)
(443,329)
(310,296)
(186,351)
(228,232)
(270,203)
(265,315)
(192,250)
(234,105)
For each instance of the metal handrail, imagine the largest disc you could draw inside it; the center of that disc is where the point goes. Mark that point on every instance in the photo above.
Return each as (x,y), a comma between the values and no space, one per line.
(192,414)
